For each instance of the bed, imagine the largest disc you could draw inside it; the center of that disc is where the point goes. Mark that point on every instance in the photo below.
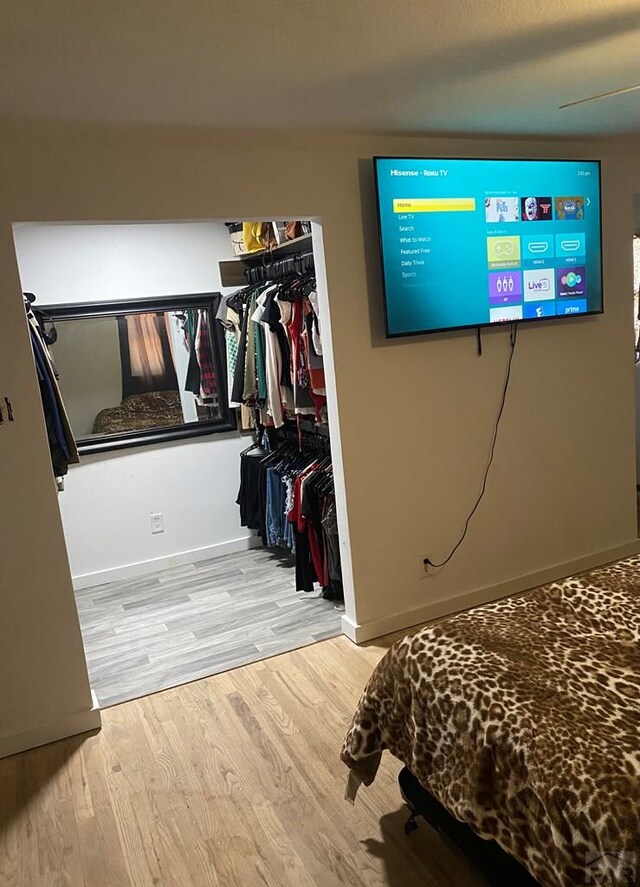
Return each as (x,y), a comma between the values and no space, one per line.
(139,412)
(522,719)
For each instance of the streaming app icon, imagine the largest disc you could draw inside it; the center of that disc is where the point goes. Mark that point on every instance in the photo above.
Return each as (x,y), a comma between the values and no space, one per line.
(539,309)
(538,247)
(503,252)
(570,246)
(572,282)
(504,315)
(539,284)
(505,287)
(572,306)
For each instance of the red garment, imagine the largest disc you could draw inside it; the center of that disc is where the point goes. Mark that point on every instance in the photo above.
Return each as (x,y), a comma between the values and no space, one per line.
(301,372)
(295,515)
(204,350)
(302,525)
(316,555)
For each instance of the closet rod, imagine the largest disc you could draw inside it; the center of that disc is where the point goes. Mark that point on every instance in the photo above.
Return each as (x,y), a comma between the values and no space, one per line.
(300,263)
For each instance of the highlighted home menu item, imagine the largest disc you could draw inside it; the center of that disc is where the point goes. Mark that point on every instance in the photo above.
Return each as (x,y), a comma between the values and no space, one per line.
(434,205)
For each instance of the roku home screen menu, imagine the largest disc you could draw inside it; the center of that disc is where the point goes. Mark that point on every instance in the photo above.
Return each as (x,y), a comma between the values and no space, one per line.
(470,242)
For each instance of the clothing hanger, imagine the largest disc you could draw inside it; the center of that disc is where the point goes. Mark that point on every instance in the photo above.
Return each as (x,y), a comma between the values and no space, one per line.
(41,318)
(256,445)
(279,269)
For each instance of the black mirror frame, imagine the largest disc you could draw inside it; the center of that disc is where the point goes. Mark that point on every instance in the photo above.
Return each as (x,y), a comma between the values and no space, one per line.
(211,301)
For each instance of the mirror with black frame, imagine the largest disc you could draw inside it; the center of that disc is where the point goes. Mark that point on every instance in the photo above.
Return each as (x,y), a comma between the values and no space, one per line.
(139,372)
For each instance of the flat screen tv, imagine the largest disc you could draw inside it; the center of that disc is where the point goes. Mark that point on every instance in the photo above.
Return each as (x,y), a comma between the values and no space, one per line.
(469,243)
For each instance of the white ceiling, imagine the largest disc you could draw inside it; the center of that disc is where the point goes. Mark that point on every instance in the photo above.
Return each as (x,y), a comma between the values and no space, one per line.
(493,66)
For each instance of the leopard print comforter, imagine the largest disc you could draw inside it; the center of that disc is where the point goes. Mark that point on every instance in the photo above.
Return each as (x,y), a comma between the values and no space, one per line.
(139,412)
(522,717)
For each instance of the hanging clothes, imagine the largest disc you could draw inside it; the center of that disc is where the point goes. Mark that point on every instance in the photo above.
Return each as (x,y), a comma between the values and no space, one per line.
(314,358)
(273,359)
(276,361)
(302,393)
(230,319)
(237,391)
(204,352)
(249,393)
(252,492)
(62,445)
(261,364)
(286,482)
(317,338)
(192,382)
(332,543)
(287,494)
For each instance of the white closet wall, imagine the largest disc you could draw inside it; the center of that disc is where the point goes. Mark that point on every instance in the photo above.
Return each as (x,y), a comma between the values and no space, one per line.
(193,483)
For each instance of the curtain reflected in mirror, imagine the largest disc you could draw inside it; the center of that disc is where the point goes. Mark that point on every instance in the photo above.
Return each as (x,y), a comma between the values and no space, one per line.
(138,371)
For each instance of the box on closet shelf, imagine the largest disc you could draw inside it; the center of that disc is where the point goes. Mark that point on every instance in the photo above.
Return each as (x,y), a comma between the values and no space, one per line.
(237,240)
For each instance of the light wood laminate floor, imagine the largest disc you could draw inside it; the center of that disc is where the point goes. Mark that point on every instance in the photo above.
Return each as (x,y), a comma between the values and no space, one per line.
(165,629)
(232,781)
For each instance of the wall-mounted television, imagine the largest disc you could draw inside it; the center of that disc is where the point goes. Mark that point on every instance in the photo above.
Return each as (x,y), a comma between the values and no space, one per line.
(471,243)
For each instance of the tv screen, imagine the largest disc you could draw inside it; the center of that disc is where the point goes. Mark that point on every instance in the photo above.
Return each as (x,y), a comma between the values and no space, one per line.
(468,243)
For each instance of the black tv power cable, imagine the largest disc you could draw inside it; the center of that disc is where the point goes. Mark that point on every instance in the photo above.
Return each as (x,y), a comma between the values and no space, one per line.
(513,334)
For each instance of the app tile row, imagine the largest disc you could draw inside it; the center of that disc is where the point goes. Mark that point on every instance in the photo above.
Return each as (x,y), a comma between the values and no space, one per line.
(534,209)
(513,249)
(539,310)
(537,285)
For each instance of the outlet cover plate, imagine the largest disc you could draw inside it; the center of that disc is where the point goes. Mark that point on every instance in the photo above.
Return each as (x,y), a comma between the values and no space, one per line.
(157,522)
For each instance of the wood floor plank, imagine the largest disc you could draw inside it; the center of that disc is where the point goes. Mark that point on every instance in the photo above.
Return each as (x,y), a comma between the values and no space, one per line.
(232,781)
(13,824)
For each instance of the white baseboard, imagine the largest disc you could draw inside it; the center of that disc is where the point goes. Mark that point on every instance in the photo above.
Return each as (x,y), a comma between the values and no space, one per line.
(140,568)
(71,725)
(367,631)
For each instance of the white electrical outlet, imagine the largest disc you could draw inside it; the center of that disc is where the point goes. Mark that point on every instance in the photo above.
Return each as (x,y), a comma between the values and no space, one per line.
(157,522)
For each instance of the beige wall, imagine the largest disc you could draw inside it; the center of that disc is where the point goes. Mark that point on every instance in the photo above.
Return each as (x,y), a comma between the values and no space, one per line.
(44,688)
(415,415)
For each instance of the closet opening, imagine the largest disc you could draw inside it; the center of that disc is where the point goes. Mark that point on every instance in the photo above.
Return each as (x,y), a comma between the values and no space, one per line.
(186,376)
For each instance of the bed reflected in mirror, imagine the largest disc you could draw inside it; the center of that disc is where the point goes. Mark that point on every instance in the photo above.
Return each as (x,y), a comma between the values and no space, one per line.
(131,372)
